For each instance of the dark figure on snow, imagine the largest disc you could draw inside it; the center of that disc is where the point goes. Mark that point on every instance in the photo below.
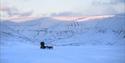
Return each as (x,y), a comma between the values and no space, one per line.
(42,46)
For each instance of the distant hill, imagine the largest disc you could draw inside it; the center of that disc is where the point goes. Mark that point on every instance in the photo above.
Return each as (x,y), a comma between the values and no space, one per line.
(60,32)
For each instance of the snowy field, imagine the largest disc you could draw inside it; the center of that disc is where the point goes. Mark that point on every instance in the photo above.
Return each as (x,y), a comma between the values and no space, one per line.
(27,53)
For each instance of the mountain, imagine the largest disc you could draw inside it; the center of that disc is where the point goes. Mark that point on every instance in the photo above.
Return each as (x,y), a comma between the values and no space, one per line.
(103,31)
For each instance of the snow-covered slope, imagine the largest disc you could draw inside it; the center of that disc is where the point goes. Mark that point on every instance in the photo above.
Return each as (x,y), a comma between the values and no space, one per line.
(97,31)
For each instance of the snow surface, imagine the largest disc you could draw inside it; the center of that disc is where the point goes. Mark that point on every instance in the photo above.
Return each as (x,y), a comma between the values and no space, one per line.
(25,53)
(94,41)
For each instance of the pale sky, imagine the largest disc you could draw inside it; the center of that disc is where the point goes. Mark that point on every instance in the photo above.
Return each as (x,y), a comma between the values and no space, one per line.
(61,7)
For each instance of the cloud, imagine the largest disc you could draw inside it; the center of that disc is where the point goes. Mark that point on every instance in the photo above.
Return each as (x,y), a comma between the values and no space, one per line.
(109,2)
(11,13)
(120,1)
(66,7)
(65,14)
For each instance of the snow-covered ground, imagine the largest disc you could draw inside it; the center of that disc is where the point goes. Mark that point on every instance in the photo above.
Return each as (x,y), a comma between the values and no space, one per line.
(91,41)
(29,53)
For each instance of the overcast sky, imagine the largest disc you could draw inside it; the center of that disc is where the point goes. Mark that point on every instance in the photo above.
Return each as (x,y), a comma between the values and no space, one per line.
(62,7)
